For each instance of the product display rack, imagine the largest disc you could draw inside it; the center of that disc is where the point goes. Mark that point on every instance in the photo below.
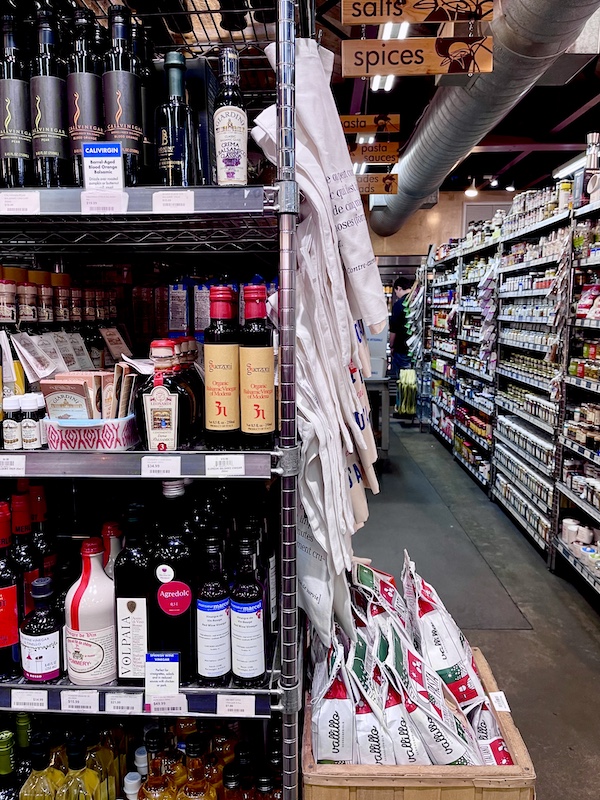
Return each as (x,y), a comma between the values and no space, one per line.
(442,384)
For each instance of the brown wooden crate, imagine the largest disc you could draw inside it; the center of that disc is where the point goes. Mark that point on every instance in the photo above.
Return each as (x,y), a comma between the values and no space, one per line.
(366,782)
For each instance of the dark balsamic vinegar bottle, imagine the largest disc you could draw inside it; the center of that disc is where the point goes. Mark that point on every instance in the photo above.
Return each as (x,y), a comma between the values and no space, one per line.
(16,165)
(43,539)
(84,92)
(41,646)
(248,641)
(212,619)
(131,575)
(175,131)
(141,49)
(23,551)
(122,98)
(49,108)
(10,601)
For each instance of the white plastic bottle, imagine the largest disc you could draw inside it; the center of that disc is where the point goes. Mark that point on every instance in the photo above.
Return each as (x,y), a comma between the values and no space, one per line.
(90,621)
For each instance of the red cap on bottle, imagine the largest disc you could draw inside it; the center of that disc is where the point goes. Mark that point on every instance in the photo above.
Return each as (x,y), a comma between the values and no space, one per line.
(110,530)
(92,546)
(21,514)
(221,302)
(255,301)
(5,531)
(37,502)
(22,485)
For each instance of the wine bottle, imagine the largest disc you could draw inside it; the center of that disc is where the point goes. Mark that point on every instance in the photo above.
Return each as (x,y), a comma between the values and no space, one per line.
(132,567)
(221,372)
(121,89)
(41,535)
(111,538)
(22,746)
(49,109)
(196,786)
(80,783)
(257,372)
(16,165)
(141,49)
(192,377)
(10,601)
(230,124)
(158,785)
(9,783)
(233,15)
(213,646)
(265,11)
(41,646)
(90,621)
(23,551)
(232,789)
(175,131)
(248,654)
(44,780)
(84,92)
(171,617)
(101,759)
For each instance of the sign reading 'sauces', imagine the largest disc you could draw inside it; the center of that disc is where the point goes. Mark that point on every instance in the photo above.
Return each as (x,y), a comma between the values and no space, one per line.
(376,12)
(377,153)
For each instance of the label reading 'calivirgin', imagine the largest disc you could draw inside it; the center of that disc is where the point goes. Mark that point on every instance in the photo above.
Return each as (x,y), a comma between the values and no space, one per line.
(91,656)
(48,105)
(161,412)
(132,637)
(84,97)
(231,145)
(9,616)
(222,387)
(122,112)
(214,637)
(15,126)
(247,639)
(40,656)
(257,389)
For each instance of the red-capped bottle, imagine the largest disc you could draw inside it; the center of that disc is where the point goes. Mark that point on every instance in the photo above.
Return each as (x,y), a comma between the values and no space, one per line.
(10,601)
(221,372)
(257,372)
(43,539)
(23,552)
(111,538)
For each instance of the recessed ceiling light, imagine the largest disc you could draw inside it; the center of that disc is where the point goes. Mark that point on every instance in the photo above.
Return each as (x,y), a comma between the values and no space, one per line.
(494,183)
(510,187)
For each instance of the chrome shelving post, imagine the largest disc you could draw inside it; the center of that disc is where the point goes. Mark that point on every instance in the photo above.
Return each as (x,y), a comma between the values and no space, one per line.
(288,212)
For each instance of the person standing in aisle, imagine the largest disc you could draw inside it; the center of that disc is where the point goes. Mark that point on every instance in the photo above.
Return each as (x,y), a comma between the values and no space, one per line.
(398,332)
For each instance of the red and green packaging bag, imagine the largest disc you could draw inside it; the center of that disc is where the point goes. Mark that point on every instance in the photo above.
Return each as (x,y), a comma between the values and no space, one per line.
(332,706)
(489,737)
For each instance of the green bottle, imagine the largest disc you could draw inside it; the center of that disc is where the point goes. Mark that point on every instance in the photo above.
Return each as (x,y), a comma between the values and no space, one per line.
(9,783)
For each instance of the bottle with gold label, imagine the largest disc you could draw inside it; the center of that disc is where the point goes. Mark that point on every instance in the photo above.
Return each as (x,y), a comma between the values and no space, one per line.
(221,372)
(257,372)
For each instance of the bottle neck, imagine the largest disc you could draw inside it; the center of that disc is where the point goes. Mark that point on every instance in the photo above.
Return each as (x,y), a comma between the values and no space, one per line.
(9,44)
(214,566)
(175,81)
(247,564)
(119,33)
(42,603)
(82,43)
(46,40)
(6,761)
(195,769)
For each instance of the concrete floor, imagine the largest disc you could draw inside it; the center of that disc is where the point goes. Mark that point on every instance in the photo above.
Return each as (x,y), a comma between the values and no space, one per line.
(540,636)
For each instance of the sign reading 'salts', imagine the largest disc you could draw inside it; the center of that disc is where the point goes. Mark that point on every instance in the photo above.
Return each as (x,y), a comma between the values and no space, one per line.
(375,12)
(419,56)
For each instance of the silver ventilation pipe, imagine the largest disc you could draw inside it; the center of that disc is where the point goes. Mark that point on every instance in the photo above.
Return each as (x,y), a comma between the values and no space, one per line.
(529,35)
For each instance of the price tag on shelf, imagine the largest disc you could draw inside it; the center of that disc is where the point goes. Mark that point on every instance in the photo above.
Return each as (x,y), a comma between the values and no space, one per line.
(85,701)
(167,704)
(162,672)
(161,467)
(103,166)
(29,699)
(499,701)
(236,705)
(12,466)
(225,466)
(104,202)
(173,202)
(19,202)
(124,703)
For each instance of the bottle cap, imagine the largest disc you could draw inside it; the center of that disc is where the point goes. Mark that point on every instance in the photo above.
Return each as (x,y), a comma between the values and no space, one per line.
(175,59)
(6,740)
(8,284)
(135,513)
(154,740)
(42,587)
(229,63)
(255,291)
(264,782)
(195,746)
(40,751)
(29,402)
(21,513)
(223,293)
(92,546)
(76,752)
(111,530)
(231,776)
(119,12)
(162,348)
(132,782)
(40,400)
(11,404)
(141,760)
(173,488)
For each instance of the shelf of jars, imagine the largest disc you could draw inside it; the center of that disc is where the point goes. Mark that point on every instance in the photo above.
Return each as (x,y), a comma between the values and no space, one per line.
(444,283)
(520,344)
(532,263)
(478,373)
(445,436)
(545,468)
(507,405)
(440,404)
(577,500)
(516,467)
(583,383)
(479,477)
(469,338)
(588,209)
(590,455)
(528,230)
(589,573)
(436,351)
(485,443)
(522,377)
(476,402)
(586,323)
(529,528)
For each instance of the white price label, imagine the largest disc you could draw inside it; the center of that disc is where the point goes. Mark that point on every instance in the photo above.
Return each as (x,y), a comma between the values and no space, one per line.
(104,202)
(29,699)
(173,202)
(12,465)
(124,703)
(225,466)
(19,202)
(167,704)
(236,705)
(86,701)
(499,701)
(161,466)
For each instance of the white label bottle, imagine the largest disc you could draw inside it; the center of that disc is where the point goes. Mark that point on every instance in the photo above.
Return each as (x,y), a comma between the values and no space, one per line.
(231,124)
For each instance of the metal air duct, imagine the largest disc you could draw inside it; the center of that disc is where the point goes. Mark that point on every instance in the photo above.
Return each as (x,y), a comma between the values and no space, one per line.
(529,35)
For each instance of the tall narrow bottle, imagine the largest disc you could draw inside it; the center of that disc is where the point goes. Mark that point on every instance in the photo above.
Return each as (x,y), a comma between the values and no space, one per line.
(49,108)
(257,372)
(221,371)
(131,575)
(175,130)
(16,165)
(196,786)
(81,783)
(121,89)
(84,92)
(23,551)
(90,621)
(141,49)
(111,538)
(10,601)
(230,124)
(44,780)
(23,746)
(43,539)
(248,646)
(41,645)
(158,785)
(9,782)
(213,646)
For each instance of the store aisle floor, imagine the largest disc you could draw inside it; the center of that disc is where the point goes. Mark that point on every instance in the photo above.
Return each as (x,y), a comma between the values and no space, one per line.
(539,634)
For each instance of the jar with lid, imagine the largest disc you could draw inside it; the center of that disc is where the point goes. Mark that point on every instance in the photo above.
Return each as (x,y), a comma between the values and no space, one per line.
(62,304)
(76,307)
(8,306)
(30,423)
(27,303)
(12,438)
(45,307)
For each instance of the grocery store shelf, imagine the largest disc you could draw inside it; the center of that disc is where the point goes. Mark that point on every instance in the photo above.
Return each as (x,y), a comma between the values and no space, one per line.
(489,410)
(471,339)
(537,226)
(535,262)
(587,323)
(589,509)
(527,320)
(441,330)
(450,257)
(534,348)
(583,383)
(475,473)
(520,377)
(474,436)
(483,376)
(592,576)
(590,208)
(443,406)
(470,310)
(524,293)
(444,283)
(590,455)
(545,469)
(508,406)
(441,433)
(441,375)
(529,529)
(441,305)
(470,281)
(478,248)
(139,464)
(540,504)
(443,353)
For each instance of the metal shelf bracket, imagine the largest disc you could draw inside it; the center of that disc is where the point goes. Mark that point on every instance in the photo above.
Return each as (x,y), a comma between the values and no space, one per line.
(288,461)
(291,698)
(288,197)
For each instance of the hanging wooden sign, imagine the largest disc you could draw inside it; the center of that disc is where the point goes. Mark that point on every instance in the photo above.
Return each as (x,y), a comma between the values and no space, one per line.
(422,56)
(370,123)
(377,12)
(377,184)
(377,153)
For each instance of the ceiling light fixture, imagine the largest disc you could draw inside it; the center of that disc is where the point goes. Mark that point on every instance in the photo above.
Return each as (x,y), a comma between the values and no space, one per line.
(371,140)
(389,83)
(471,191)
(510,187)
(569,168)
(494,183)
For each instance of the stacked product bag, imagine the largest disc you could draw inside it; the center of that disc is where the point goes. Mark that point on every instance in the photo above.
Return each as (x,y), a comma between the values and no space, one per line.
(405,691)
